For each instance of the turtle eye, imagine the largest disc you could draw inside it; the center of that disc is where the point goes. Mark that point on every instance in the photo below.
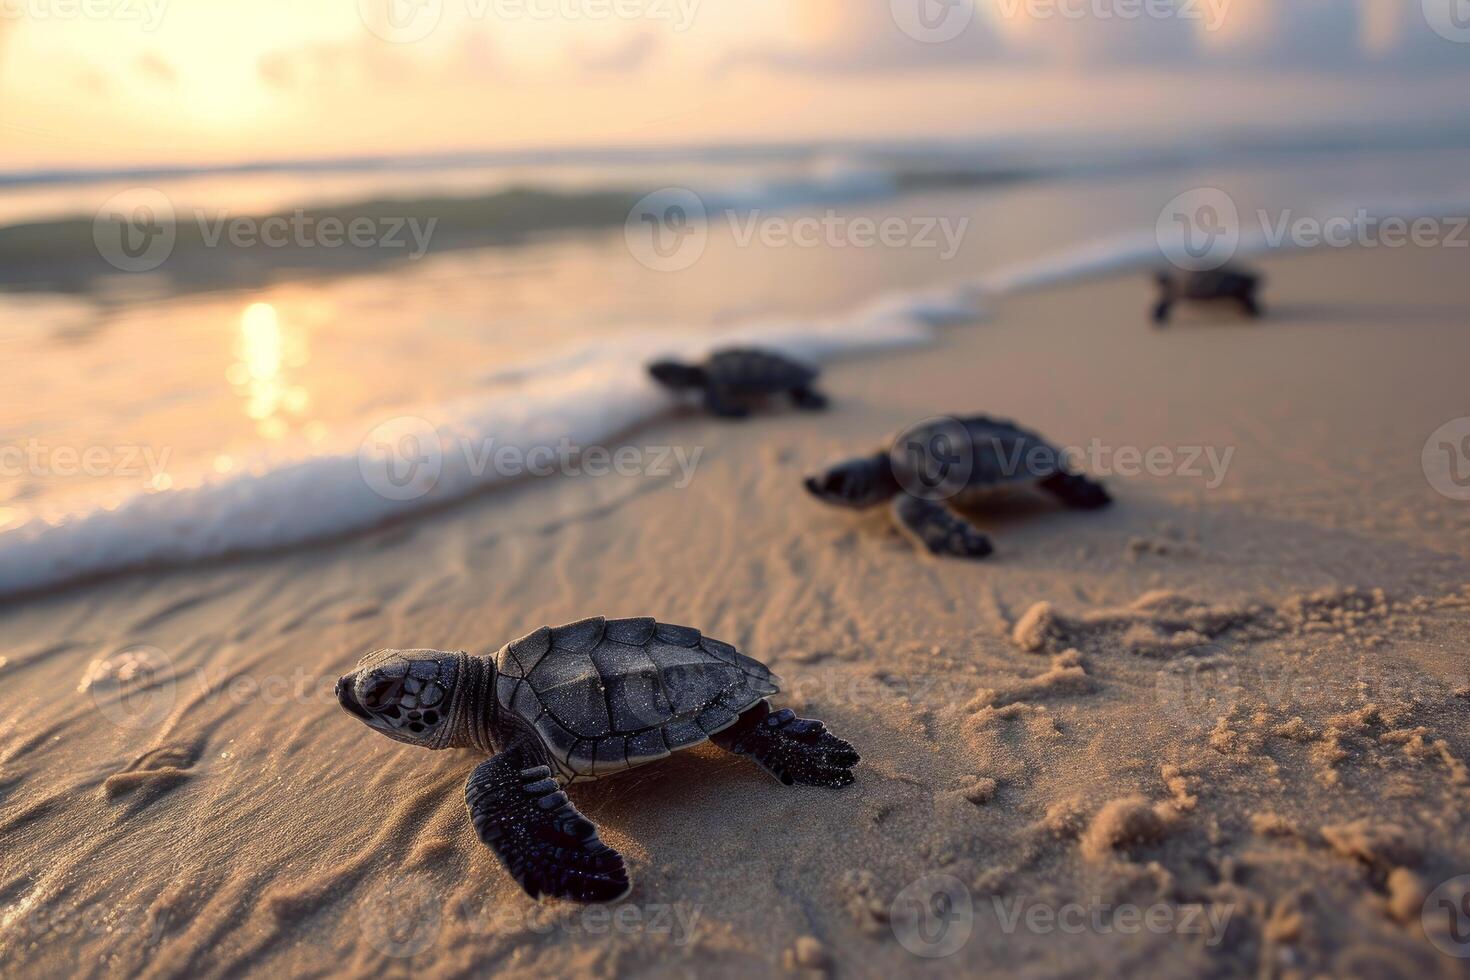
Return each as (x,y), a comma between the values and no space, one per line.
(384,693)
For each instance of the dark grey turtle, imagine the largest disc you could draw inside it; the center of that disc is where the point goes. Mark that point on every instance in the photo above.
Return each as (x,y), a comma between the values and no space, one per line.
(1225,286)
(942,465)
(735,378)
(579,702)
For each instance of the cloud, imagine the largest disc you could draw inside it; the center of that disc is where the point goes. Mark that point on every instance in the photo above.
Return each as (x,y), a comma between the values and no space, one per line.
(869,36)
(626,56)
(1300,34)
(1092,33)
(1277,35)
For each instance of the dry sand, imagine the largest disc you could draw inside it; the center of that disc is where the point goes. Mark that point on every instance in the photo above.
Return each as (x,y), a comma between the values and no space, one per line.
(1241,709)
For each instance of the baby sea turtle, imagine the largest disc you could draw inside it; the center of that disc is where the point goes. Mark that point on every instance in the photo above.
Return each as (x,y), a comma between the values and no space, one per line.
(943,464)
(735,378)
(579,702)
(1213,286)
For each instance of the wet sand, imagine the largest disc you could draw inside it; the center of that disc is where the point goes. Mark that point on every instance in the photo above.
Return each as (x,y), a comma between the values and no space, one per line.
(1235,702)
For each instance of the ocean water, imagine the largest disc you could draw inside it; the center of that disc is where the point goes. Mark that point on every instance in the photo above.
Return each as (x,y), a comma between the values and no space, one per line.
(248,397)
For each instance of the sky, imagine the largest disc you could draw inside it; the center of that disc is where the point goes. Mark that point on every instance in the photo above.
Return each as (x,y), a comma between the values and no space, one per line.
(95,83)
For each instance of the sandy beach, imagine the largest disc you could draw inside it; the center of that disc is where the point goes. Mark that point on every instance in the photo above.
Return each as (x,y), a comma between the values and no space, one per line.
(1218,729)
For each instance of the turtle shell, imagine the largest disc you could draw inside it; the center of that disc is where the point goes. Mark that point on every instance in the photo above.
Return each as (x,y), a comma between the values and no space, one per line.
(750,369)
(973,454)
(610,694)
(1217,284)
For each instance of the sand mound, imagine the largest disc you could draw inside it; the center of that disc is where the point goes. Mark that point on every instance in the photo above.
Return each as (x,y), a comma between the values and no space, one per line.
(1163,623)
(1375,843)
(1066,675)
(153,773)
(1122,824)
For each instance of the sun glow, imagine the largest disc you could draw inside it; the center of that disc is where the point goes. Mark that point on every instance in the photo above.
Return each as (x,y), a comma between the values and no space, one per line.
(264,351)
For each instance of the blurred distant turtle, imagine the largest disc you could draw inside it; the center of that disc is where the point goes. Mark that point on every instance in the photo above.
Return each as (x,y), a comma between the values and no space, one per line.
(946,464)
(735,378)
(1214,286)
(579,702)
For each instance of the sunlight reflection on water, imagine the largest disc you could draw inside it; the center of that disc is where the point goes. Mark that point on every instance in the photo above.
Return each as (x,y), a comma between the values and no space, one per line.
(265,350)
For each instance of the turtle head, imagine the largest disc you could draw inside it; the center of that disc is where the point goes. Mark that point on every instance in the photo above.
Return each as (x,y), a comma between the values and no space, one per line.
(680,377)
(408,695)
(856,483)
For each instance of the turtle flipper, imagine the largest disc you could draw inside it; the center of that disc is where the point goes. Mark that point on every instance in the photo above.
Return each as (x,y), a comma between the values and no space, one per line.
(941,532)
(1077,491)
(522,815)
(794,750)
